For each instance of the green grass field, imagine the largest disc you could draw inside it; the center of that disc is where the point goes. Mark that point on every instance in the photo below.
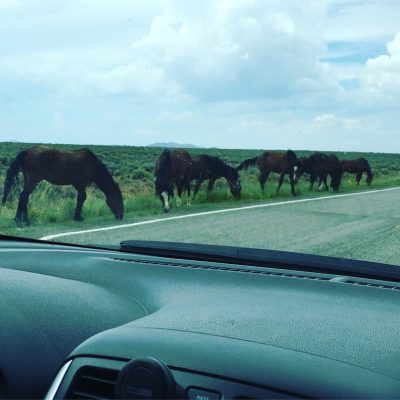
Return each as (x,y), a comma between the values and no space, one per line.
(51,207)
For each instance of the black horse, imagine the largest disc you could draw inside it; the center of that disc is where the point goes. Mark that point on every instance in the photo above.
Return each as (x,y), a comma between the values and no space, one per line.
(323,165)
(77,168)
(358,166)
(281,163)
(211,168)
(173,168)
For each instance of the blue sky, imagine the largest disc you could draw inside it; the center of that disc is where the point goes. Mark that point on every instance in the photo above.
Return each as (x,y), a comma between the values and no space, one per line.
(230,73)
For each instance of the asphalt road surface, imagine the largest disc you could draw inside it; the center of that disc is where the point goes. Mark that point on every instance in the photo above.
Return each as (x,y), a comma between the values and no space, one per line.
(364,226)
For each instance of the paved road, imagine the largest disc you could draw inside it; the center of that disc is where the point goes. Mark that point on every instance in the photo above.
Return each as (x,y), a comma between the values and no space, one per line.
(365,226)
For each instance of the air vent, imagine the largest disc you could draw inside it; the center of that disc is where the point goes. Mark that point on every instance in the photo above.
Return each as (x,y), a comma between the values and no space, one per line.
(93,383)
(258,271)
(297,275)
(371,284)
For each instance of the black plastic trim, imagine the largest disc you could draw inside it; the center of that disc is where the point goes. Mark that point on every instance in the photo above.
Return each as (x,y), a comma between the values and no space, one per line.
(265,258)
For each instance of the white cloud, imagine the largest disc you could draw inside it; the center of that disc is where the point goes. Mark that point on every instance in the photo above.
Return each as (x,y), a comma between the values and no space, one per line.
(137,76)
(361,20)
(329,121)
(229,73)
(381,75)
(236,49)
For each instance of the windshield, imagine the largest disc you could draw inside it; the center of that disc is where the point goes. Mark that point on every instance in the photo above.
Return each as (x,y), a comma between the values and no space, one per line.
(264,124)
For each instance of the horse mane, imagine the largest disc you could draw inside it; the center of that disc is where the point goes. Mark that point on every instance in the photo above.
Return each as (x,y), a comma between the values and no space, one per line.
(102,177)
(247,163)
(216,164)
(370,175)
(291,157)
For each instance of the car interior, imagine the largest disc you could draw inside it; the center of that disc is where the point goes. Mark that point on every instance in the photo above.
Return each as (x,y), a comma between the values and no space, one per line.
(158,320)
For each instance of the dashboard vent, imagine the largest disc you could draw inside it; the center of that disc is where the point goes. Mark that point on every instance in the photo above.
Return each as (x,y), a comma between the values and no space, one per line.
(371,284)
(297,275)
(93,383)
(229,269)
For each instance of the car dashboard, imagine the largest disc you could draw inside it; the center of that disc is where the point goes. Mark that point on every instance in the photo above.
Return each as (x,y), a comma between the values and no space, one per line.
(85,323)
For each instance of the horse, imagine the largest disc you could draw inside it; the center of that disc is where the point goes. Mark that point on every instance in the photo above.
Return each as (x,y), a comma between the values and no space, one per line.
(304,166)
(211,168)
(279,162)
(77,168)
(173,168)
(358,166)
(323,165)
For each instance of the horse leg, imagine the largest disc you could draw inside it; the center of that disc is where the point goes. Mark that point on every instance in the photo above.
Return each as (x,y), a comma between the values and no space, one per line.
(187,186)
(313,177)
(263,178)
(323,179)
(211,183)
(79,203)
(199,181)
(281,178)
(326,181)
(320,181)
(358,177)
(292,183)
(22,209)
(179,191)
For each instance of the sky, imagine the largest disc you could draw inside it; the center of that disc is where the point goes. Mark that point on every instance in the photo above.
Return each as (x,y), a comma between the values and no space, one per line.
(266,74)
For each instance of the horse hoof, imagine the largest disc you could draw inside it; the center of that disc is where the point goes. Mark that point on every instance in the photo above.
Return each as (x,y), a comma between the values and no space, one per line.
(78,219)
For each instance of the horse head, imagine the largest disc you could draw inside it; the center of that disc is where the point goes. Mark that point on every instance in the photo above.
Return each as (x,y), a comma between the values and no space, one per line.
(115,202)
(164,193)
(234,183)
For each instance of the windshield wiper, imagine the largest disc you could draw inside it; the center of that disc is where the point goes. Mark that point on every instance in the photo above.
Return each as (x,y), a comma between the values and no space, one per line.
(265,258)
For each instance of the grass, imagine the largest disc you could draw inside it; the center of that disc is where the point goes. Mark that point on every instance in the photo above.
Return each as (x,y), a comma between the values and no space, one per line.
(51,207)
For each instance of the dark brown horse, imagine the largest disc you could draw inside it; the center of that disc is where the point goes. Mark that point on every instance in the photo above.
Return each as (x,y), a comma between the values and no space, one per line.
(281,163)
(358,166)
(304,166)
(211,168)
(77,168)
(323,165)
(173,168)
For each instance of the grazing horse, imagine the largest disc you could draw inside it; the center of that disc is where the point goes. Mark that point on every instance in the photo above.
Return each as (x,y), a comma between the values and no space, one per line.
(323,165)
(212,168)
(77,168)
(173,167)
(358,166)
(281,163)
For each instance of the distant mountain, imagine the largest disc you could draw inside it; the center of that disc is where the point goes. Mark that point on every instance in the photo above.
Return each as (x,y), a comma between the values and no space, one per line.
(174,145)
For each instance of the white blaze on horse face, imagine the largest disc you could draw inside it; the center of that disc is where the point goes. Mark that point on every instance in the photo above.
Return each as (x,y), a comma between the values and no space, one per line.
(294,173)
(165,197)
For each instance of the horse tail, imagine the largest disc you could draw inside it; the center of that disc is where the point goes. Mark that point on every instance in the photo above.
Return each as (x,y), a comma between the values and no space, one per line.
(163,171)
(247,163)
(12,174)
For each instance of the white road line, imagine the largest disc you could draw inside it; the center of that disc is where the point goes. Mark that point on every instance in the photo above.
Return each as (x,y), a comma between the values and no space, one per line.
(199,214)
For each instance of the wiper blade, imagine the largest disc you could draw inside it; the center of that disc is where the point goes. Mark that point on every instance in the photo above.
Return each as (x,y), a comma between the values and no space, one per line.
(264,258)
